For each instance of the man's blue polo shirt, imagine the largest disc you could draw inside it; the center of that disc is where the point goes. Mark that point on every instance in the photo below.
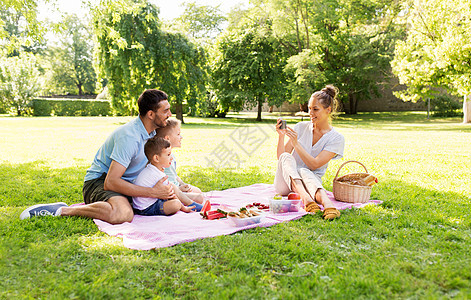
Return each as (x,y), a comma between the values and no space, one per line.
(125,146)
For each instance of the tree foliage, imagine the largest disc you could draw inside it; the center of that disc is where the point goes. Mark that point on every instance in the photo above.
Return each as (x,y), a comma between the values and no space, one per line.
(344,42)
(19,27)
(19,81)
(249,70)
(304,74)
(437,52)
(70,65)
(135,54)
(201,22)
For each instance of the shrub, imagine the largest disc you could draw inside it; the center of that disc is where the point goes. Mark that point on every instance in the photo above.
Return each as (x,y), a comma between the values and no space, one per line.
(19,82)
(2,108)
(70,107)
(445,106)
(209,106)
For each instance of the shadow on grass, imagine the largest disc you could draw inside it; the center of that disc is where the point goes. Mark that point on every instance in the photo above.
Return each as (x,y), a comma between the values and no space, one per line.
(35,182)
(424,206)
(414,243)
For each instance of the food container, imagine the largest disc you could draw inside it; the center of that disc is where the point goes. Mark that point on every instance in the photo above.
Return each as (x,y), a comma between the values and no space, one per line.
(240,222)
(284,206)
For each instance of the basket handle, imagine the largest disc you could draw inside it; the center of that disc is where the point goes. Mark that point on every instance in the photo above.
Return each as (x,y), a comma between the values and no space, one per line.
(336,175)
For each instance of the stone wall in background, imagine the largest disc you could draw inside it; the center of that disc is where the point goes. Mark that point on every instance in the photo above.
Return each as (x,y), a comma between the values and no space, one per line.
(383,103)
(386,101)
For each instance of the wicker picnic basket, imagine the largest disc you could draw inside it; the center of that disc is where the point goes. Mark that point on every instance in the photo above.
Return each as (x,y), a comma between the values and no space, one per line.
(348,188)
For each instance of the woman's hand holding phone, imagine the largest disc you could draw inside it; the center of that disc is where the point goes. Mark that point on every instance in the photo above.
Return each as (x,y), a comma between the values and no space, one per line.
(281,126)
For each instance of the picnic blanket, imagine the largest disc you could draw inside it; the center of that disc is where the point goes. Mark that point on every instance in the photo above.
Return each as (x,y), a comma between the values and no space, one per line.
(149,232)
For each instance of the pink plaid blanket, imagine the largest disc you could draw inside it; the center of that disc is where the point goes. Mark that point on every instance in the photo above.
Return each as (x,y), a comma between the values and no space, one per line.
(145,233)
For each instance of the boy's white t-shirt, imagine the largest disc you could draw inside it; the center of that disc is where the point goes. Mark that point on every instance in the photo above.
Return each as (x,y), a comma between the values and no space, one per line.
(331,141)
(147,178)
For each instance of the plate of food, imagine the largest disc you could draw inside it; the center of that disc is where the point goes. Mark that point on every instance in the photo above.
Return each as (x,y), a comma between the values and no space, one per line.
(245,217)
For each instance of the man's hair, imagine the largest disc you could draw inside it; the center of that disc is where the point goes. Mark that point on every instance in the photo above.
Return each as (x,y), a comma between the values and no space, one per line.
(150,100)
(164,131)
(155,146)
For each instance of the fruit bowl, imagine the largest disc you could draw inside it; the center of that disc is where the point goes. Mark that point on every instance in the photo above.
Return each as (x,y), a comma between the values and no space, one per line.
(284,205)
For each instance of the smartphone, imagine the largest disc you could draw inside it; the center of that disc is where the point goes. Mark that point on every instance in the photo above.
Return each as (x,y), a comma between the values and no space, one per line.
(283,124)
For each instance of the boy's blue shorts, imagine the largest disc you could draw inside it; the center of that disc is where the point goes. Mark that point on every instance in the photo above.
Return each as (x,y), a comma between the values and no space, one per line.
(156,209)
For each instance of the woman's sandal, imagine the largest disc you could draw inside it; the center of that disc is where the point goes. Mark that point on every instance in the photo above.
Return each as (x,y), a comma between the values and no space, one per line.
(312,208)
(331,213)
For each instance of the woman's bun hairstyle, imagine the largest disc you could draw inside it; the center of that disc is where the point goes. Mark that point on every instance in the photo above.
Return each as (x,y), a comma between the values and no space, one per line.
(330,90)
(327,97)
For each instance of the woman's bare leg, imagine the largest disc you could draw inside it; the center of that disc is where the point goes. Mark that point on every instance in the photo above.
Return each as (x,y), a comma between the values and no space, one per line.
(330,212)
(297,185)
(322,198)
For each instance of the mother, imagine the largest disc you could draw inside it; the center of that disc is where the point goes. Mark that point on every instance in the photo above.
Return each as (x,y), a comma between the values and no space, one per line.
(303,160)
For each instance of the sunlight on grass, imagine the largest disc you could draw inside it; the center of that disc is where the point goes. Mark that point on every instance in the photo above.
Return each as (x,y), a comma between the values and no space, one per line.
(59,141)
(414,245)
(98,243)
(379,210)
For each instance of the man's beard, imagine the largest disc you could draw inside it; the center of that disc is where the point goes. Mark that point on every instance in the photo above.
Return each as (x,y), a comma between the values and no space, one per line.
(161,123)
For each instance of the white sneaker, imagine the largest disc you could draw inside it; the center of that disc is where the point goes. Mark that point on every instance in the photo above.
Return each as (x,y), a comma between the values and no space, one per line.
(41,210)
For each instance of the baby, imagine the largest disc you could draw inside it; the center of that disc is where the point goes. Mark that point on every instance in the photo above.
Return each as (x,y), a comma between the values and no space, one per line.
(159,153)
(172,133)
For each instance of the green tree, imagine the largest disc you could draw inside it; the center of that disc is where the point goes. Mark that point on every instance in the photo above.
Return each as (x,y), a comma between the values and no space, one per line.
(19,27)
(201,22)
(249,70)
(133,54)
(437,52)
(348,43)
(183,74)
(19,81)
(71,64)
(305,74)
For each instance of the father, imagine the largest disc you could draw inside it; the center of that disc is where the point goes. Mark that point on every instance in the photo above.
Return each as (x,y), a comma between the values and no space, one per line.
(108,187)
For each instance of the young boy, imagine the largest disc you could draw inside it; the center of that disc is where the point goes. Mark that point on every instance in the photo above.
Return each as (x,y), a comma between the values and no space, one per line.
(159,155)
(172,133)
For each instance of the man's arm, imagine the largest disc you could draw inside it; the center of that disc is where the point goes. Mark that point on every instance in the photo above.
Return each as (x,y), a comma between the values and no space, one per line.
(114,182)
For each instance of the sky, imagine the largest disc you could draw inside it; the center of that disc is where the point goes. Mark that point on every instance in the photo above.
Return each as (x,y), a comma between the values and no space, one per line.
(169,9)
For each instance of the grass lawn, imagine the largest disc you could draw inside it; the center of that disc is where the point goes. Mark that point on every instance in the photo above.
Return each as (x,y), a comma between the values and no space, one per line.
(414,245)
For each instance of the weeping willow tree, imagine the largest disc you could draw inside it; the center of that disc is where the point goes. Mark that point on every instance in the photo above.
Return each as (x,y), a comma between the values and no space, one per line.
(133,54)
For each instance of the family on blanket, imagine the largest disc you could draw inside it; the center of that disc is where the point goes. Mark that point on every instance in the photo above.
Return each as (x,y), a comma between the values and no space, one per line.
(134,171)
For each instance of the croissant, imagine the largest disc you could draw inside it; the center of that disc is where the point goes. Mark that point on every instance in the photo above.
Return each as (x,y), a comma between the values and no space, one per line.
(370,180)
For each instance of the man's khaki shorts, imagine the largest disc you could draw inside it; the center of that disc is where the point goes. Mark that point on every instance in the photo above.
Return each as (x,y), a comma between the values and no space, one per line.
(94,191)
